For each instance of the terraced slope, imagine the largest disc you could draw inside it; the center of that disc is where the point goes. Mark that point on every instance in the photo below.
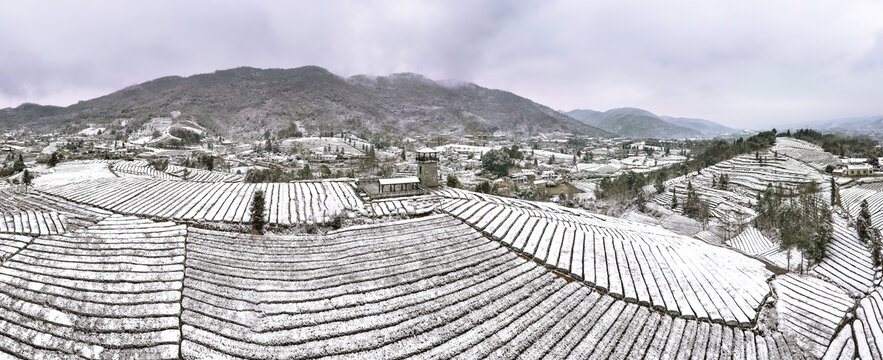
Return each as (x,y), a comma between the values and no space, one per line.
(409,206)
(660,269)
(748,176)
(110,291)
(11,244)
(810,310)
(869,326)
(73,215)
(842,347)
(848,262)
(286,203)
(431,287)
(438,289)
(851,199)
(806,152)
(32,223)
(140,168)
(751,242)
(754,243)
(201,175)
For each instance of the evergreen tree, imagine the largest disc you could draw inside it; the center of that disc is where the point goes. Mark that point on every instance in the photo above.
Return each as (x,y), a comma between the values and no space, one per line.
(876,247)
(724,182)
(306,173)
(404,155)
(692,203)
(257,212)
(704,214)
(863,223)
(551,159)
(486,187)
(26,179)
(833,192)
(453,181)
(659,185)
(674,198)
(641,201)
(19,164)
(53,160)
(496,162)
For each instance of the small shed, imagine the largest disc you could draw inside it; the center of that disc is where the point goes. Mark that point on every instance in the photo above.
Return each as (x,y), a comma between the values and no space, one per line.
(402,184)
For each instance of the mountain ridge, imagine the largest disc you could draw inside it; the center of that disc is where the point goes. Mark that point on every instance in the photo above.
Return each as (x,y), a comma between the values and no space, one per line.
(638,123)
(245,101)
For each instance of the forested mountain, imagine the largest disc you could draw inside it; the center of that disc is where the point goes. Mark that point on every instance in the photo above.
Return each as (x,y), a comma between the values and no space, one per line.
(638,123)
(246,101)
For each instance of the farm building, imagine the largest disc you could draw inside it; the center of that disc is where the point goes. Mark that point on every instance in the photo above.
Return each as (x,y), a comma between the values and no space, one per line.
(854,170)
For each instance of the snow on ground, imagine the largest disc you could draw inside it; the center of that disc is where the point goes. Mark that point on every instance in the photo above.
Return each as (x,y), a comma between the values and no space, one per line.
(67,173)
(51,148)
(319,144)
(587,188)
(92,130)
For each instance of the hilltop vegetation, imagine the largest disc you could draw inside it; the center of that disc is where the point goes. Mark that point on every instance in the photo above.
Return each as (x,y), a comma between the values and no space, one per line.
(245,102)
(839,144)
(637,123)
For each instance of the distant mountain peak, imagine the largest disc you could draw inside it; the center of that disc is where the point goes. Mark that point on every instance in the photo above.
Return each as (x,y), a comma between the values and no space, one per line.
(639,123)
(246,101)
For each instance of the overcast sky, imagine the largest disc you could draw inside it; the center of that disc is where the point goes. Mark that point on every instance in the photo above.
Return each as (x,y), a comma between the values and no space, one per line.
(741,63)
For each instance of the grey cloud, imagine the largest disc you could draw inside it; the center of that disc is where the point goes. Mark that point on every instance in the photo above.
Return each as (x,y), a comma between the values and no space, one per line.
(741,63)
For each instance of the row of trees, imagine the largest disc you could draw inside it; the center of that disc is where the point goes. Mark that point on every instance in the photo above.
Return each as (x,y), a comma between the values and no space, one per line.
(628,185)
(868,234)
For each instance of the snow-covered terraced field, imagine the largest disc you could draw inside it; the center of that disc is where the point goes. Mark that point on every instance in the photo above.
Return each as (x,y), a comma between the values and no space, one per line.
(73,171)
(658,269)
(754,243)
(141,168)
(438,289)
(842,347)
(748,176)
(851,199)
(452,193)
(201,175)
(429,287)
(73,215)
(848,262)
(11,244)
(110,291)
(32,223)
(869,326)
(286,203)
(409,206)
(751,242)
(810,310)
(806,152)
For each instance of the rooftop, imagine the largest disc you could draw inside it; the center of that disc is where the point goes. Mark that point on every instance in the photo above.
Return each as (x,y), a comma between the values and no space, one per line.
(398,181)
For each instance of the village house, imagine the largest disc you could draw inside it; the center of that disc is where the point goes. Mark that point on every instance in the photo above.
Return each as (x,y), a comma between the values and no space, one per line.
(854,170)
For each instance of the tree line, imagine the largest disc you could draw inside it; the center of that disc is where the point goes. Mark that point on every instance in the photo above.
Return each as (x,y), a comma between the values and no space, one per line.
(848,146)
(629,184)
(799,220)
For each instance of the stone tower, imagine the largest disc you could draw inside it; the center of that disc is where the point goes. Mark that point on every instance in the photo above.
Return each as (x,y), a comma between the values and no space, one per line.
(427,167)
